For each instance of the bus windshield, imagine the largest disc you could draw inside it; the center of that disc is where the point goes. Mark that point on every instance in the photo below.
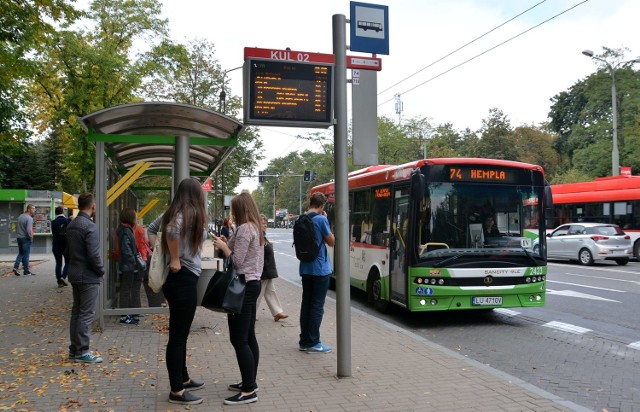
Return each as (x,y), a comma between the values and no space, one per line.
(474,225)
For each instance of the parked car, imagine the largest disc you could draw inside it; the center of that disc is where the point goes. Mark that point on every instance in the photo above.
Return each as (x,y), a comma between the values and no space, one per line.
(588,242)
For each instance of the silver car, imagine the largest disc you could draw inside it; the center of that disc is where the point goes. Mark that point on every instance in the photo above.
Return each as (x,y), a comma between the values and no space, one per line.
(587,242)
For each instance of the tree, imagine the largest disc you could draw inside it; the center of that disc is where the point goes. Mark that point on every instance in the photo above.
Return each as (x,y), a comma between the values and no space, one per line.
(582,117)
(496,137)
(87,70)
(24,28)
(535,145)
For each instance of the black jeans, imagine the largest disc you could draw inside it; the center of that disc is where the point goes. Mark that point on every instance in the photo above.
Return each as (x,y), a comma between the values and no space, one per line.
(181,292)
(242,333)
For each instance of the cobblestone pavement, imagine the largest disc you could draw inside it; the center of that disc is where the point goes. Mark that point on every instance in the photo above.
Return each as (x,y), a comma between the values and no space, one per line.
(392,370)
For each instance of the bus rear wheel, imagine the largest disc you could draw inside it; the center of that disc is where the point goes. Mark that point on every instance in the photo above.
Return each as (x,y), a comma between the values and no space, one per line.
(374,292)
(636,249)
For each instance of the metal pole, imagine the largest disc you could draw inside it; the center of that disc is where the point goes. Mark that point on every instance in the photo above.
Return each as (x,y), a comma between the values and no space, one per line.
(181,160)
(615,155)
(341,232)
(101,222)
(300,198)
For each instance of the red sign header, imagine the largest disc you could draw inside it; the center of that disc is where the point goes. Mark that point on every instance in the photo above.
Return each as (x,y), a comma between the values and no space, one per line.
(288,55)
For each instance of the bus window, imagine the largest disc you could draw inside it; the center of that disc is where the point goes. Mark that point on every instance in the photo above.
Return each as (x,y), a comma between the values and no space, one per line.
(381,219)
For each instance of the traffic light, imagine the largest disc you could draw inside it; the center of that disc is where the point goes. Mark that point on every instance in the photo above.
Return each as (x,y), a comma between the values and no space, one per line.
(313,175)
(307,176)
(261,176)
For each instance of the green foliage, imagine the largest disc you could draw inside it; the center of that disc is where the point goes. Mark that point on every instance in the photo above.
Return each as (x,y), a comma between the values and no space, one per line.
(570,176)
(582,117)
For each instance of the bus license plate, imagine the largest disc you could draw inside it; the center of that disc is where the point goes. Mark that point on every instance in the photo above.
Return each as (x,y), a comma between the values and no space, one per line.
(486,300)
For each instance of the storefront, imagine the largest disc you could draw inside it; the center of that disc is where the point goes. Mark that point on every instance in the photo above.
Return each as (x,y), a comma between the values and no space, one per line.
(13,203)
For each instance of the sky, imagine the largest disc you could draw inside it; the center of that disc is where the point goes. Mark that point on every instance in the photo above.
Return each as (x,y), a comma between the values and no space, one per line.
(517,76)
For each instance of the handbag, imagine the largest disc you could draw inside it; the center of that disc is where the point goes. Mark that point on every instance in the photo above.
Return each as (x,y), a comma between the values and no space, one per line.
(225,291)
(158,267)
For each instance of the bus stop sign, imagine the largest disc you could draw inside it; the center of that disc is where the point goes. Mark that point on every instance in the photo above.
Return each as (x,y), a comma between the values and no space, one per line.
(369,29)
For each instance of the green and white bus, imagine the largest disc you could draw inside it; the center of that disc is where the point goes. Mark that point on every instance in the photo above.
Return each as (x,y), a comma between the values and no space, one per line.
(422,237)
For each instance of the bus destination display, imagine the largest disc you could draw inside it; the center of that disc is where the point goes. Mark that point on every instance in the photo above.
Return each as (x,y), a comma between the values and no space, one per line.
(288,93)
(480,174)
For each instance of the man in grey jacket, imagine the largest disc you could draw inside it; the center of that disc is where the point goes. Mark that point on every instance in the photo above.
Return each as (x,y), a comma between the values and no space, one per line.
(24,234)
(85,275)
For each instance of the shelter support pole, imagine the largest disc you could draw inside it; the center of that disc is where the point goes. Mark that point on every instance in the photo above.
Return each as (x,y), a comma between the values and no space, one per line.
(341,248)
(181,170)
(101,221)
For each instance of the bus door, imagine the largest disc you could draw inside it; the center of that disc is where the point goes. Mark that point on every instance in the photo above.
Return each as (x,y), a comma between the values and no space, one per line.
(397,248)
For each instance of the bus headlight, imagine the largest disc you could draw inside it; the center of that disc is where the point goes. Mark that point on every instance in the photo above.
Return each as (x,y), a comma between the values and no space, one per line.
(433,302)
(433,281)
(423,302)
(440,281)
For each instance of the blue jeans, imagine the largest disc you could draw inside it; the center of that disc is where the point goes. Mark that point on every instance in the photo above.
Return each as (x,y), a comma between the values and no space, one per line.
(314,292)
(242,334)
(83,310)
(181,292)
(24,251)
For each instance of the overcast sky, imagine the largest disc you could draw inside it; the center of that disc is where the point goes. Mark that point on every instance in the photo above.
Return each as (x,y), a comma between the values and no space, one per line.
(518,77)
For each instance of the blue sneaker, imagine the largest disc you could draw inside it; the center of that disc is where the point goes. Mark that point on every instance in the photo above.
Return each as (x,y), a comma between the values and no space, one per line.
(89,358)
(319,348)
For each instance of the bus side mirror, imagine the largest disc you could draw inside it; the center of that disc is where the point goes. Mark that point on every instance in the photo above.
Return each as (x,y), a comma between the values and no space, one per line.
(548,197)
(418,183)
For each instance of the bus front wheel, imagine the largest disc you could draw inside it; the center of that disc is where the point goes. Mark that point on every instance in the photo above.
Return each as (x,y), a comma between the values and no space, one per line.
(636,249)
(374,292)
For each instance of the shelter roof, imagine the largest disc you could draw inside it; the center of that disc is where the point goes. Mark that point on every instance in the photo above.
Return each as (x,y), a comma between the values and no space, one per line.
(145,132)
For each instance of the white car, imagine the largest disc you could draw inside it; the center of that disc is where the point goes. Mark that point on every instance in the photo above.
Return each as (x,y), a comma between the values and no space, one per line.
(588,242)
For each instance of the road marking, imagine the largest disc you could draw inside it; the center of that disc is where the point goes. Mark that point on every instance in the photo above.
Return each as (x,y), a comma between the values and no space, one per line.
(507,312)
(574,294)
(566,327)
(634,345)
(585,286)
(601,278)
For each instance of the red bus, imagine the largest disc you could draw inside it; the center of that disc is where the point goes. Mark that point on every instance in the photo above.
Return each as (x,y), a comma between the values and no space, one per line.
(614,199)
(418,238)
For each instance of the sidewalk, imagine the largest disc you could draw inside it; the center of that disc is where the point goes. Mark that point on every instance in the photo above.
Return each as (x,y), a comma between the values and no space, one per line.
(392,370)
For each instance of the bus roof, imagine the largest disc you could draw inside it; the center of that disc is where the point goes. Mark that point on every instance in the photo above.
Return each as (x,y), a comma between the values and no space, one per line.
(379,174)
(604,189)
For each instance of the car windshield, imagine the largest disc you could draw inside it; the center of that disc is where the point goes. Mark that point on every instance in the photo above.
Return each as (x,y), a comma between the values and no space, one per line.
(472,224)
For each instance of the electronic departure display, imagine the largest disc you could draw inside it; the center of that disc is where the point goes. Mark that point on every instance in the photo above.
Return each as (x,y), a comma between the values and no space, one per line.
(288,93)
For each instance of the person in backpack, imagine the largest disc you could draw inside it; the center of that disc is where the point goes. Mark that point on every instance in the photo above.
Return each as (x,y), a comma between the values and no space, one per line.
(315,276)
(59,240)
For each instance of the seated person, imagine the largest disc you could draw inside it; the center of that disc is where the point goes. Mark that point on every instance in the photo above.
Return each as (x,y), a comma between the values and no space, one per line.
(489,228)
(365,230)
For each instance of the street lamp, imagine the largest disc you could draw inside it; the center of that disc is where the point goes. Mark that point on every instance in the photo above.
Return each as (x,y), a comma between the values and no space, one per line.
(223,94)
(615,155)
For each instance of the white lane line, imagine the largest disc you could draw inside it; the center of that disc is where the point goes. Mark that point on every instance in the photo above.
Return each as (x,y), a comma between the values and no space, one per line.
(634,345)
(585,286)
(566,327)
(574,294)
(601,278)
(507,312)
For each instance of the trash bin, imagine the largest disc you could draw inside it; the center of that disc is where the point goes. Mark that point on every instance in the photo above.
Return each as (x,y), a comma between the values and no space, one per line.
(209,268)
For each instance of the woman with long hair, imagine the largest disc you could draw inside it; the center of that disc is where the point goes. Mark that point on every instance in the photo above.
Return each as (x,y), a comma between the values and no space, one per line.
(130,273)
(184,230)
(246,249)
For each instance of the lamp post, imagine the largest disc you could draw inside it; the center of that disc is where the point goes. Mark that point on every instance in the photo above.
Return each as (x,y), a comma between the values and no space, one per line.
(615,155)
(223,95)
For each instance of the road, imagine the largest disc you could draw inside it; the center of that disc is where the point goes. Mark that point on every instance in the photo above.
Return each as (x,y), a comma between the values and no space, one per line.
(583,345)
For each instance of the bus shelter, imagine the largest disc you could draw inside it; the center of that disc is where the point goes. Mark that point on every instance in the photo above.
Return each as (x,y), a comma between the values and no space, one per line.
(170,139)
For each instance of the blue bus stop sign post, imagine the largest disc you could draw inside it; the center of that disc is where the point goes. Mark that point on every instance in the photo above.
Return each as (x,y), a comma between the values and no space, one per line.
(369,24)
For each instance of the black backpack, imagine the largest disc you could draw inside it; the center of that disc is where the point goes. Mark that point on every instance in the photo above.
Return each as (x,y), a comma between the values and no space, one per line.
(304,238)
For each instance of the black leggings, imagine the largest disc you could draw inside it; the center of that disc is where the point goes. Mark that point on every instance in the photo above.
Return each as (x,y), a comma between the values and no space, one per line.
(181,292)
(242,333)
